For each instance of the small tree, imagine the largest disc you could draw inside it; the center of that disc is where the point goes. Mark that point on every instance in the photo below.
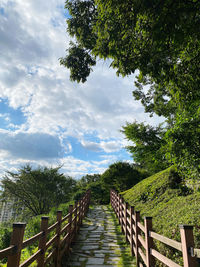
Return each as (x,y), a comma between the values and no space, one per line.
(148,145)
(92,182)
(38,190)
(120,176)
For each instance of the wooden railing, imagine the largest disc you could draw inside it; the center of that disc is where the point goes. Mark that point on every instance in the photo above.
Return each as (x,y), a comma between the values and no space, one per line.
(141,237)
(50,248)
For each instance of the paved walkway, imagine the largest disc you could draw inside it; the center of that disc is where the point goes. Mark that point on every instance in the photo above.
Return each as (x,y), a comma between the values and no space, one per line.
(100,242)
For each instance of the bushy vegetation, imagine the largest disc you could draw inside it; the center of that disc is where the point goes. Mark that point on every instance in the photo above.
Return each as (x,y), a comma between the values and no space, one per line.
(147,150)
(5,234)
(165,197)
(119,176)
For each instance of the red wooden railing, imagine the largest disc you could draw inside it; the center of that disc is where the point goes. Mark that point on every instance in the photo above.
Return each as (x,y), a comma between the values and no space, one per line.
(50,249)
(141,237)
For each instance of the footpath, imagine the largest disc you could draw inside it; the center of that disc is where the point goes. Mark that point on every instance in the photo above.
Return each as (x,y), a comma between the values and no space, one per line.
(100,242)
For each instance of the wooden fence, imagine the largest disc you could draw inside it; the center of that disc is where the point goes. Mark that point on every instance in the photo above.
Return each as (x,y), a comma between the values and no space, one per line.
(141,237)
(50,248)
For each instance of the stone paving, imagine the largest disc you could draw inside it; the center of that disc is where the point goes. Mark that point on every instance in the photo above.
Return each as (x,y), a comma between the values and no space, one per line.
(100,242)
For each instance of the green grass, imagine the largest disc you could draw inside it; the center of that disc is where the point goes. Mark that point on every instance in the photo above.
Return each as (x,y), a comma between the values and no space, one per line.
(124,253)
(163,197)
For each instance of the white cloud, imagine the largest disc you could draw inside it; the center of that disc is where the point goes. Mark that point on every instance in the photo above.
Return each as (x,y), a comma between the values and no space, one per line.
(33,38)
(91,146)
(106,146)
(77,168)
(111,146)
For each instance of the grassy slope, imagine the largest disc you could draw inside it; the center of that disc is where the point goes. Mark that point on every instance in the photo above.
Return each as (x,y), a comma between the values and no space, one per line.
(170,205)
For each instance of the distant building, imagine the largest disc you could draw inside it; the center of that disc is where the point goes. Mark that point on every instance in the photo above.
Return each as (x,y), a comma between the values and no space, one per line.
(7,211)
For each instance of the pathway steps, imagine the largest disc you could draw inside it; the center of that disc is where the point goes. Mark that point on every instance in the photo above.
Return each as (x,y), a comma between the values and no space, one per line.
(100,242)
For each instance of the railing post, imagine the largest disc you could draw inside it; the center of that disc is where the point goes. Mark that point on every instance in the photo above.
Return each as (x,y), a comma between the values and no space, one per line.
(16,240)
(125,216)
(70,223)
(58,229)
(88,200)
(137,232)
(115,202)
(121,211)
(131,227)
(77,210)
(81,210)
(111,198)
(42,241)
(148,241)
(84,207)
(75,221)
(187,241)
(86,203)
(118,207)
(115,205)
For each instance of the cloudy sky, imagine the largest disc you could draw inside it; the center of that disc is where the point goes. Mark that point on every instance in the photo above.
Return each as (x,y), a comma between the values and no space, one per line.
(44,118)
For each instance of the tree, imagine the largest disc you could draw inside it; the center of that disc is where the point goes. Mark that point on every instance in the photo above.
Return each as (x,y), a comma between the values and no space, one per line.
(38,189)
(147,150)
(146,35)
(183,146)
(88,179)
(161,39)
(92,182)
(120,176)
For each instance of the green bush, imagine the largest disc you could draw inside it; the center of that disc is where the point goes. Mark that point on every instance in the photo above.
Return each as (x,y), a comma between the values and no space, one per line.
(97,193)
(5,234)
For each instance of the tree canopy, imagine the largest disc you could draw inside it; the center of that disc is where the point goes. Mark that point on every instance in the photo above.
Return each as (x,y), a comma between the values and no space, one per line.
(147,150)
(120,176)
(161,39)
(37,190)
(147,35)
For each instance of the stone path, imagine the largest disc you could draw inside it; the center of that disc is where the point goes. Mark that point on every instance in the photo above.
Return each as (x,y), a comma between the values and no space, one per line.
(100,242)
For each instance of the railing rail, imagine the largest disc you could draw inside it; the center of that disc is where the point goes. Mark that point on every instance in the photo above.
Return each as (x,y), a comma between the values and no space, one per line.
(49,248)
(141,237)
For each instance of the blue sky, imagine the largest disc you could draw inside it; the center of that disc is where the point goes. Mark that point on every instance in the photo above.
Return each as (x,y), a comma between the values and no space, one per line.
(45,119)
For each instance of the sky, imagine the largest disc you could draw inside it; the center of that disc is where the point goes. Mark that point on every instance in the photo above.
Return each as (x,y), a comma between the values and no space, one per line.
(45,119)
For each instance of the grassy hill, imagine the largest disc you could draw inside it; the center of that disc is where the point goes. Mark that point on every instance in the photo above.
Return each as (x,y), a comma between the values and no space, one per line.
(164,197)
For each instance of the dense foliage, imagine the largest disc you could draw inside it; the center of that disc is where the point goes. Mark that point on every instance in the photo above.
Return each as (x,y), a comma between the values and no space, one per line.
(119,176)
(144,35)
(92,182)
(37,190)
(148,145)
(161,39)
